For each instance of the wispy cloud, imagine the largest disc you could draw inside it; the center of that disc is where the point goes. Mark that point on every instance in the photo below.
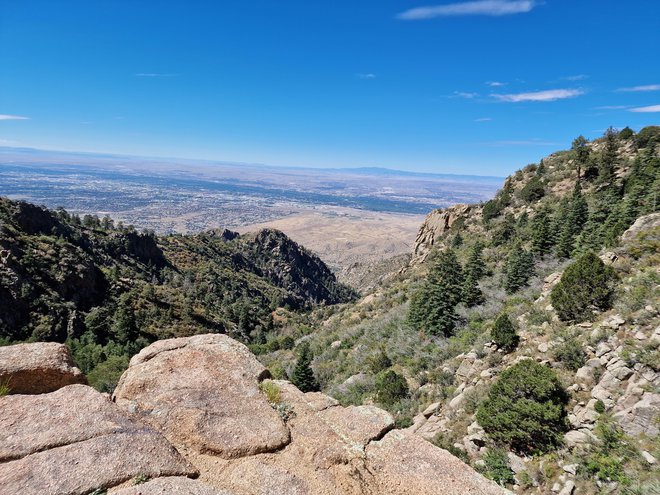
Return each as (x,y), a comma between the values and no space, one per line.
(12,117)
(613,107)
(479,7)
(154,74)
(649,109)
(483,119)
(648,87)
(496,84)
(464,94)
(547,95)
(367,75)
(577,77)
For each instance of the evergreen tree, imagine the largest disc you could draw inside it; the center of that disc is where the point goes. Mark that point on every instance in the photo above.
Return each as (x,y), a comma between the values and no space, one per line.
(574,222)
(518,269)
(124,327)
(609,157)
(475,264)
(581,152)
(505,231)
(585,286)
(504,333)
(525,408)
(432,307)
(303,375)
(542,239)
(471,294)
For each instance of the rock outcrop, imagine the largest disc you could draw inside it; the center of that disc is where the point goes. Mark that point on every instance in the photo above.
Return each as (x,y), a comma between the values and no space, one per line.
(76,440)
(37,368)
(195,407)
(203,392)
(643,224)
(436,225)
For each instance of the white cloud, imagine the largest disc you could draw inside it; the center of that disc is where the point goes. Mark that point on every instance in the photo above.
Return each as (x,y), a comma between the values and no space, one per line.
(547,95)
(479,7)
(12,117)
(496,84)
(648,87)
(577,77)
(483,119)
(368,75)
(649,109)
(464,94)
(613,107)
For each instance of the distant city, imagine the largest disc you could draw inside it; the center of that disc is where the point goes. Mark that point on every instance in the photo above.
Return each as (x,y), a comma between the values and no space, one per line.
(188,196)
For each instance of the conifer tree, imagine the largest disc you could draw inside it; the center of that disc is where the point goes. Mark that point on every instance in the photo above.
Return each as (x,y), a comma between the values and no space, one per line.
(504,333)
(432,308)
(609,157)
(303,375)
(585,286)
(541,233)
(581,152)
(471,294)
(575,220)
(475,263)
(518,269)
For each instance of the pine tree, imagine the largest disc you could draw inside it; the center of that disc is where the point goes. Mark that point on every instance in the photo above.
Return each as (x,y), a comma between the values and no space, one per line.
(471,294)
(542,240)
(609,157)
(303,375)
(475,263)
(432,308)
(518,269)
(585,286)
(575,220)
(581,152)
(504,333)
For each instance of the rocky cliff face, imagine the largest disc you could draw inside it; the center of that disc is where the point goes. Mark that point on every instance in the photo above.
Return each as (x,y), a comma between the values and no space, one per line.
(437,224)
(198,416)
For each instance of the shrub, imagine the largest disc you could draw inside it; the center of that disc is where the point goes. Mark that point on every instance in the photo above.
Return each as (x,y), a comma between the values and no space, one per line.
(525,408)
(391,387)
(379,362)
(533,190)
(599,406)
(496,467)
(585,286)
(271,391)
(105,376)
(570,354)
(504,333)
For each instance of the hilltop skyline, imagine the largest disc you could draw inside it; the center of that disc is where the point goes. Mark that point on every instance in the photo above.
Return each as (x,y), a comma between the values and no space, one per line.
(480,87)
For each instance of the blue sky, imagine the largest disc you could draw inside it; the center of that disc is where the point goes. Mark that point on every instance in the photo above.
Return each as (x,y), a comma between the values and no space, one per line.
(480,87)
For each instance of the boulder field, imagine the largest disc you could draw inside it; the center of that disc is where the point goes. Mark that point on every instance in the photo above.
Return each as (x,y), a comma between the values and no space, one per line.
(199,416)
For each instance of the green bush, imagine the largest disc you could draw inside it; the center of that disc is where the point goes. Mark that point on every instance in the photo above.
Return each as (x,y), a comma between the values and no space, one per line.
(570,354)
(504,333)
(390,387)
(496,467)
(105,376)
(586,285)
(525,408)
(379,362)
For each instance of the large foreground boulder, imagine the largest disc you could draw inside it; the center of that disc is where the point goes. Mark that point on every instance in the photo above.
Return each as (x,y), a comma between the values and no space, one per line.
(203,392)
(76,440)
(37,368)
